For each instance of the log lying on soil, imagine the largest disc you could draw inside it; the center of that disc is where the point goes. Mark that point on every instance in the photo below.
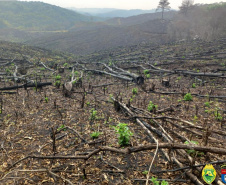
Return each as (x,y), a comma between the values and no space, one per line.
(186,72)
(38,85)
(110,74)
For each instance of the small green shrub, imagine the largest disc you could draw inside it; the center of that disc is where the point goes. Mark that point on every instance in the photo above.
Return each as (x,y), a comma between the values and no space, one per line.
(152,106)
(148,76)
(193,85)
(146,71)
(76,73)
(134,91)
(95,135)
(155,182)
(65,64)
(57,83)
(61,127)
(124,133)
(58,77)
(145,172)
(188,97)
(207,104)
(93,115)
(217,115)
(46,99)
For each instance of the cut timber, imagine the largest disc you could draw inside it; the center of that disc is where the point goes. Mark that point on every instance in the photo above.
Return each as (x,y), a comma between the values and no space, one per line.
(38,85)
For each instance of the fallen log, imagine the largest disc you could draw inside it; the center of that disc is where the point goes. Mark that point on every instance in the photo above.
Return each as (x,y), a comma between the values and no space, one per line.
(38,85)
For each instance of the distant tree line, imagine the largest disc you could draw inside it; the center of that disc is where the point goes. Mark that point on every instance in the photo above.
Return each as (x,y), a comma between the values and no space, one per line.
(204,21)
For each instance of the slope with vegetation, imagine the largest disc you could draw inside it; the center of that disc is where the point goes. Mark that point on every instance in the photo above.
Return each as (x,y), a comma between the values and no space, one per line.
(38,16)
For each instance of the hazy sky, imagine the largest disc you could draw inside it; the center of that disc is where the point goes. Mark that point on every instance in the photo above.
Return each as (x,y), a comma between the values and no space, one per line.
(121,4)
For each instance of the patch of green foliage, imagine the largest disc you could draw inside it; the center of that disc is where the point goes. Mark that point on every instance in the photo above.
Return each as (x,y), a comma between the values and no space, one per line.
(95,135)
(57,83)
(58,77)
(146,71)
(148,76)
(207,104)
(151,106)
(193,85)
(145,172)
(134,91)
(46,99)
(93,115)
(217,115)
(188,97)
(65,65)
(155,182)
(124,134)
(61,127)
(76,73)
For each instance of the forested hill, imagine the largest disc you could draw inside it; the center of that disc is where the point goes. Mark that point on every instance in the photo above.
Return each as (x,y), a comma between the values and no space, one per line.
(38,16)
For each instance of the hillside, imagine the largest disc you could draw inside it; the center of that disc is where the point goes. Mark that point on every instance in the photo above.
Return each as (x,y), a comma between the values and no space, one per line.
(138,19)
(10,51)
(88,38)
(38,16)
(110,12)
(87,41)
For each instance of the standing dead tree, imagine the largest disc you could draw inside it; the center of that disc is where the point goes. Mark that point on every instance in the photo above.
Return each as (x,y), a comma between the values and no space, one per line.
(163,6)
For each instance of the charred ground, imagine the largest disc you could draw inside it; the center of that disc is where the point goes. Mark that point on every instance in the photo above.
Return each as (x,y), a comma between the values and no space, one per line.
(57,122)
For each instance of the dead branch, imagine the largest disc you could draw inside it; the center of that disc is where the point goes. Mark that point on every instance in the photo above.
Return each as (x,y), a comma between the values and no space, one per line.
(130,150)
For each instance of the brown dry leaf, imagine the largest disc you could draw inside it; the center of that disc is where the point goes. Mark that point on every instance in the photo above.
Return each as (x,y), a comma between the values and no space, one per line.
(105,177)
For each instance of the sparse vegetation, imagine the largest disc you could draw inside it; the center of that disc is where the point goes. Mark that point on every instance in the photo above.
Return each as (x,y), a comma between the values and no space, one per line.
(152,106)
(73,124)
(95,135)
(188,97)
(124,134)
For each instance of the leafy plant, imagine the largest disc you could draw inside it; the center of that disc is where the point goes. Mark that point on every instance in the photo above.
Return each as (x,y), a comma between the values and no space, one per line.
(93,115)
(65,64)
(145,172)
(76,73)
(155,182)
(146,71)
(58,77)
(57,83)
(46,99)
(207,104)
(164,182)
(188,97)
(179,77)
(95,135)
(193,85)
(124,133)
(217,115)
(134,91)
(61,127)
(148,76)
(152,106)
